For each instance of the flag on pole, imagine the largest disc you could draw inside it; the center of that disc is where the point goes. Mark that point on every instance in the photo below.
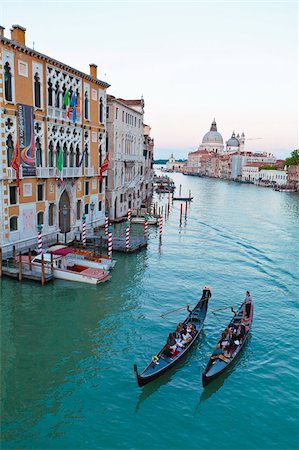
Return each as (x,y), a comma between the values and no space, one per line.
(78,105)
(66,99)
(74,103)
(82,157)
(16,165)
(104,166)
(60,164)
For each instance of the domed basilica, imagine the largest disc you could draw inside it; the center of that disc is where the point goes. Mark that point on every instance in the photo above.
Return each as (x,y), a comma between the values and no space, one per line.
(213,141)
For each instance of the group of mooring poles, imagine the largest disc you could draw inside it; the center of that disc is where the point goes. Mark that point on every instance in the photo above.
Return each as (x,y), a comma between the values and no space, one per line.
(181,212)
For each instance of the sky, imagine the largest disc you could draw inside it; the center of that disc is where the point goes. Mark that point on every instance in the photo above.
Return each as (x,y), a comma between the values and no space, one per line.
(192,61)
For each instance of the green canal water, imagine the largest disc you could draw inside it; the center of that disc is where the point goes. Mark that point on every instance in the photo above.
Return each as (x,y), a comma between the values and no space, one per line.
(67,350)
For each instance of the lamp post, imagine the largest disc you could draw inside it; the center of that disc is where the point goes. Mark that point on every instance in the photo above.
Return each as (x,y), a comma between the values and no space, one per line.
(92,205)
(64,213)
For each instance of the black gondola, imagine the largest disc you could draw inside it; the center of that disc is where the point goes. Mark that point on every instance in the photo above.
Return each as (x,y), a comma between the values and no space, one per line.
(218,363)
(162,362)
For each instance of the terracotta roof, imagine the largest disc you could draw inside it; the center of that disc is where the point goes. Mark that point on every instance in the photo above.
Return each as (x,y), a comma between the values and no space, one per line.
(253,164)
(127,103)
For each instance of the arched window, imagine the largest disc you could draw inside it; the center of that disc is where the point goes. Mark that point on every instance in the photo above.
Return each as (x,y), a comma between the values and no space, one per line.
(57,95)
(50,93)
(9,149)
(38,153)
(64,155)
(86,208)
(37,91)
(51,155)
(40,218)
(51,214)
(57,154)
(86,105)
(71,159)
(86,156)
(7,82)
(13,223)
(77,156)
(101,110)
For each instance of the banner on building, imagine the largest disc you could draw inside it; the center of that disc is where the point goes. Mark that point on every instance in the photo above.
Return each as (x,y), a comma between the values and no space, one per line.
(26,140)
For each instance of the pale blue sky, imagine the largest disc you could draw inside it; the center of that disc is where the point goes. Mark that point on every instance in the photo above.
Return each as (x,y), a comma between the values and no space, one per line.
(192,61)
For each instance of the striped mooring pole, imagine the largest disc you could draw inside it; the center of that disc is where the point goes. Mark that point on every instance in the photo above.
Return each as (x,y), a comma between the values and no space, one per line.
(110,242)
(160,226)
(84,229)
(145,225)
(106,222)
(39,239)
(128,235)
(129,214)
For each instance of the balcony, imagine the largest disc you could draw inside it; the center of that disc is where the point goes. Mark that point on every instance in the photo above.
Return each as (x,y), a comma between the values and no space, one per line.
(131,158)
(52,172)
(11,174)
(89,171)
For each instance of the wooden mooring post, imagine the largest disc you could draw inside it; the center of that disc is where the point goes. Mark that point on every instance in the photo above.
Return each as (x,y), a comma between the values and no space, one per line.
(52,264)
(30,260)
(0,262)
(14,259)
(20,267)
(43,271)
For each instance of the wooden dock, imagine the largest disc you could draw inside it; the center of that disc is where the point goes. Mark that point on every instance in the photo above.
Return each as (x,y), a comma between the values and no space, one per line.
(34,274)
(99,240)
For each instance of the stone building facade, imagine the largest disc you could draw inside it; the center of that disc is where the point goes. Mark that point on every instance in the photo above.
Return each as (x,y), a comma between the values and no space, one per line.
(130,172)
(53,121)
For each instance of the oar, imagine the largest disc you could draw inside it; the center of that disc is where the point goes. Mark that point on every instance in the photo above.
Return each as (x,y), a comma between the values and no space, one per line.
(227,307)
(174,310)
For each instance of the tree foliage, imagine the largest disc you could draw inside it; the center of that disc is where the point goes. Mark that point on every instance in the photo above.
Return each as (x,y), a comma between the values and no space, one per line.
(293,160)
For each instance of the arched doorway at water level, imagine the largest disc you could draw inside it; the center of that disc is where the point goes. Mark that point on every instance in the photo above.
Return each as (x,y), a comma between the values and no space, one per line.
(65,214)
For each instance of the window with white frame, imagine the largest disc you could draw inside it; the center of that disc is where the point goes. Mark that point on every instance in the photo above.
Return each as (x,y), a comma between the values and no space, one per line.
(8,76)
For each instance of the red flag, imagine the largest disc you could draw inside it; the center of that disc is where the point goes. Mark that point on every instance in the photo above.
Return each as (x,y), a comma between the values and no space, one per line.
(16,165)
(104,166)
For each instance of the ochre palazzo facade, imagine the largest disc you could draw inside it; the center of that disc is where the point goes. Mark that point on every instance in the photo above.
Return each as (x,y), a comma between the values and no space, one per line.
(53,118)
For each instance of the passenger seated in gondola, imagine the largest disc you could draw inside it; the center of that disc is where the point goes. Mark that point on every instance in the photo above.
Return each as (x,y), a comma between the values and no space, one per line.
(186,337)
(178,331)
(167,351)
(172,343)
(191,329)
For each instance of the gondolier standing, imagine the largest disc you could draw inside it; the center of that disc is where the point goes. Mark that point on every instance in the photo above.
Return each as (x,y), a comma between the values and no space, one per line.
(248,301)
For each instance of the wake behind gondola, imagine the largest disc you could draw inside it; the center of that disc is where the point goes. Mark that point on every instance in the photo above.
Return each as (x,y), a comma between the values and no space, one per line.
(167,356)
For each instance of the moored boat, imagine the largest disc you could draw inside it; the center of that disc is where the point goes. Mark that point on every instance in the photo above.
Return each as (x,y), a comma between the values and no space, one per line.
(83,256)
(164,361)
(218,363)
(141,219)
(183,199)
(70,271)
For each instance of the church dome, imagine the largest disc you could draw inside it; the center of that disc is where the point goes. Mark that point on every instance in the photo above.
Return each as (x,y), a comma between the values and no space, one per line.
(233,141)
(212,136)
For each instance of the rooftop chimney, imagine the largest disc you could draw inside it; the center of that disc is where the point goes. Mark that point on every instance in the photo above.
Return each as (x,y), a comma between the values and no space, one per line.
(2,31)
(18,34)
(93,70)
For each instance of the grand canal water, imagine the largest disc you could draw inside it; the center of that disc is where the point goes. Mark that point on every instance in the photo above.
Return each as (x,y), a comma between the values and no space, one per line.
(68,350)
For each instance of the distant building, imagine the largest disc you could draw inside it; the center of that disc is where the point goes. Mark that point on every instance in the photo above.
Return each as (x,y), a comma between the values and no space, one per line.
(172,165)
(212,140)
(275,177)
(131,152)
(293,177)
(235,143)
